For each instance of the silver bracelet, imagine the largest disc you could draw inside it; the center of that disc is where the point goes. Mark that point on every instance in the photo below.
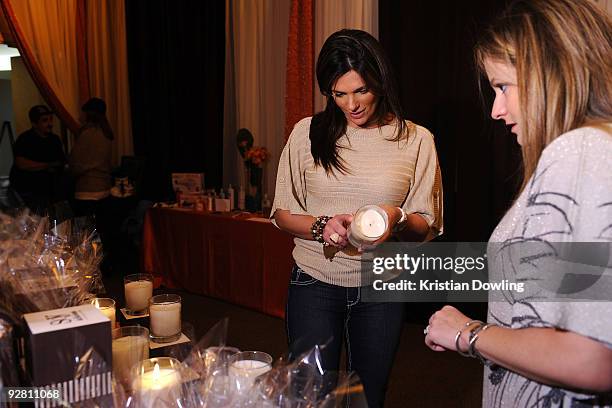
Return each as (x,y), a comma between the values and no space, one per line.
(473,338)
(458,336)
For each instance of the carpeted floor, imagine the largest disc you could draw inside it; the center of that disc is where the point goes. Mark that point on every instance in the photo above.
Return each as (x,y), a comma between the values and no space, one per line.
(420,377)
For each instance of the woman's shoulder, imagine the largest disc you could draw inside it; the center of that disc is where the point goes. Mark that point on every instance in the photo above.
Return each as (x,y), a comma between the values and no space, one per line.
(416,132)
(593,140)
(90,129)
(303,123)
(299,134)
(580,154)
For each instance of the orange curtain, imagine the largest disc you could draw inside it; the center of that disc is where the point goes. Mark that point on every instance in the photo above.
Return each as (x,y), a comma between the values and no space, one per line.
(81,50)
(300,64)
(35,70)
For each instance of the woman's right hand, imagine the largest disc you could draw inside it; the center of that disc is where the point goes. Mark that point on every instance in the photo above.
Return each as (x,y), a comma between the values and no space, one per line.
(335,232)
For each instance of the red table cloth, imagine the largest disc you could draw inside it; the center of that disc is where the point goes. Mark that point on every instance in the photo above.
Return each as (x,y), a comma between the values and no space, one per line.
(242,261)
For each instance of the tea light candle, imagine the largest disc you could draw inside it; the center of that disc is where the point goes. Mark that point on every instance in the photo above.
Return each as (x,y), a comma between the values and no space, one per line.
(138,291)
(107,307)
(130,346)
(369,224)
(165,318)
(157,382)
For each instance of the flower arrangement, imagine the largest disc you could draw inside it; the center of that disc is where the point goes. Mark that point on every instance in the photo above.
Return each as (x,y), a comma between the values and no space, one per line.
(256,156)
(253,156)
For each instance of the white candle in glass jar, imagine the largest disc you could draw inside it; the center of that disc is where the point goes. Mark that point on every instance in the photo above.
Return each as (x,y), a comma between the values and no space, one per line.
(127,351)
(157,387)
(253,368)
(107,307)
(137,295)
(244,372)
(165,318)
(369,224)
(372,224)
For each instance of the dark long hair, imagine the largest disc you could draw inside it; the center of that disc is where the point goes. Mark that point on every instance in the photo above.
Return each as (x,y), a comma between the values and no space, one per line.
(343,51)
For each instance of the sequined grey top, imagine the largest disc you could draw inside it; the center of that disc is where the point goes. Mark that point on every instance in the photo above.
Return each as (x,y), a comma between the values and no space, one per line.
(568,199)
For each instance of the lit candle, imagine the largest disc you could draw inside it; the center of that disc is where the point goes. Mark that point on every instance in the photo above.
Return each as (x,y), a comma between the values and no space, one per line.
(157,383)
(246,366)
(369,224)
(107,307)
(130,346)
(138,290)
(165,318)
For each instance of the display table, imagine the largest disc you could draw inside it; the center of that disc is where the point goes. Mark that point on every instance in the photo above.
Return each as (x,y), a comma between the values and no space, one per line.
(242,261)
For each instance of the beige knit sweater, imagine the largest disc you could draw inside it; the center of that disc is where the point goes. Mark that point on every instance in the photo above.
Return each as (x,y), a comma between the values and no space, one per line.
(90,163)
(404,174)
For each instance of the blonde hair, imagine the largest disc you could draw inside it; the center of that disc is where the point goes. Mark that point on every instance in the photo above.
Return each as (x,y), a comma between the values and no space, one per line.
(562,52)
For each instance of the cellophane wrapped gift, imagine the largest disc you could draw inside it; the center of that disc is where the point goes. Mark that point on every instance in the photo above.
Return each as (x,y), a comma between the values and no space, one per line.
(301,383)
(43,268)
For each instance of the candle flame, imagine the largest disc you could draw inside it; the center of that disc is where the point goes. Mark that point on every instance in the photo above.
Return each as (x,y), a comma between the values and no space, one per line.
(156,373)
(96,304)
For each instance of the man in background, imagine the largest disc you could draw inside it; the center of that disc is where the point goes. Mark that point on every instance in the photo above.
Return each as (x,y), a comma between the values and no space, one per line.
(37,172)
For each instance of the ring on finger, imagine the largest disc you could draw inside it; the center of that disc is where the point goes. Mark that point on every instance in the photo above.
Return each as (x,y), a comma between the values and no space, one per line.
(426,331)
(334,237)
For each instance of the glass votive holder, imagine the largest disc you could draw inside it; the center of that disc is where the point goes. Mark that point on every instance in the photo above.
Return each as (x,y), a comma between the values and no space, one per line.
(246,366)
(107,307)
(138,290)
(130,347)
(214,358)
(165,318)
(156,382)
(369,224)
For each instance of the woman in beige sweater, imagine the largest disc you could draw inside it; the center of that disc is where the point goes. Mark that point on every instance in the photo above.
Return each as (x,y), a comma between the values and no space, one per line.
(358,151)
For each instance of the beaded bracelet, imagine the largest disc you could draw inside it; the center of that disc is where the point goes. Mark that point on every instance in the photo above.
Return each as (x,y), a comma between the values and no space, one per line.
(458,336)
(317,228)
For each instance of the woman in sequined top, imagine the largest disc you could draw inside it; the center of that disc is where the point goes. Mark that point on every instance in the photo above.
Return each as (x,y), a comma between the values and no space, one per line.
(549,63)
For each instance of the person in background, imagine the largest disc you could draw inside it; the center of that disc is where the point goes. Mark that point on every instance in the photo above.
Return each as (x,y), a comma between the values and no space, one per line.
(38,169)
(358,151)
(90,159)
(549,63)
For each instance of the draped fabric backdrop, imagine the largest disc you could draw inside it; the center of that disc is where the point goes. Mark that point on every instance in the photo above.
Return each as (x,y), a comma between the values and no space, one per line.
(176,55)
(333,15)
(108,68)
(256,48)
(45,32)
(300,64)
(56,39)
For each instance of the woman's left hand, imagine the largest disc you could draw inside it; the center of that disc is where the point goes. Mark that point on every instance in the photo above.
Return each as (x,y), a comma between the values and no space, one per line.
(443,327)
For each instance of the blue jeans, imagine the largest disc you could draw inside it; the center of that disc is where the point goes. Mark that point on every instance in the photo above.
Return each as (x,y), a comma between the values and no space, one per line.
(320,313)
